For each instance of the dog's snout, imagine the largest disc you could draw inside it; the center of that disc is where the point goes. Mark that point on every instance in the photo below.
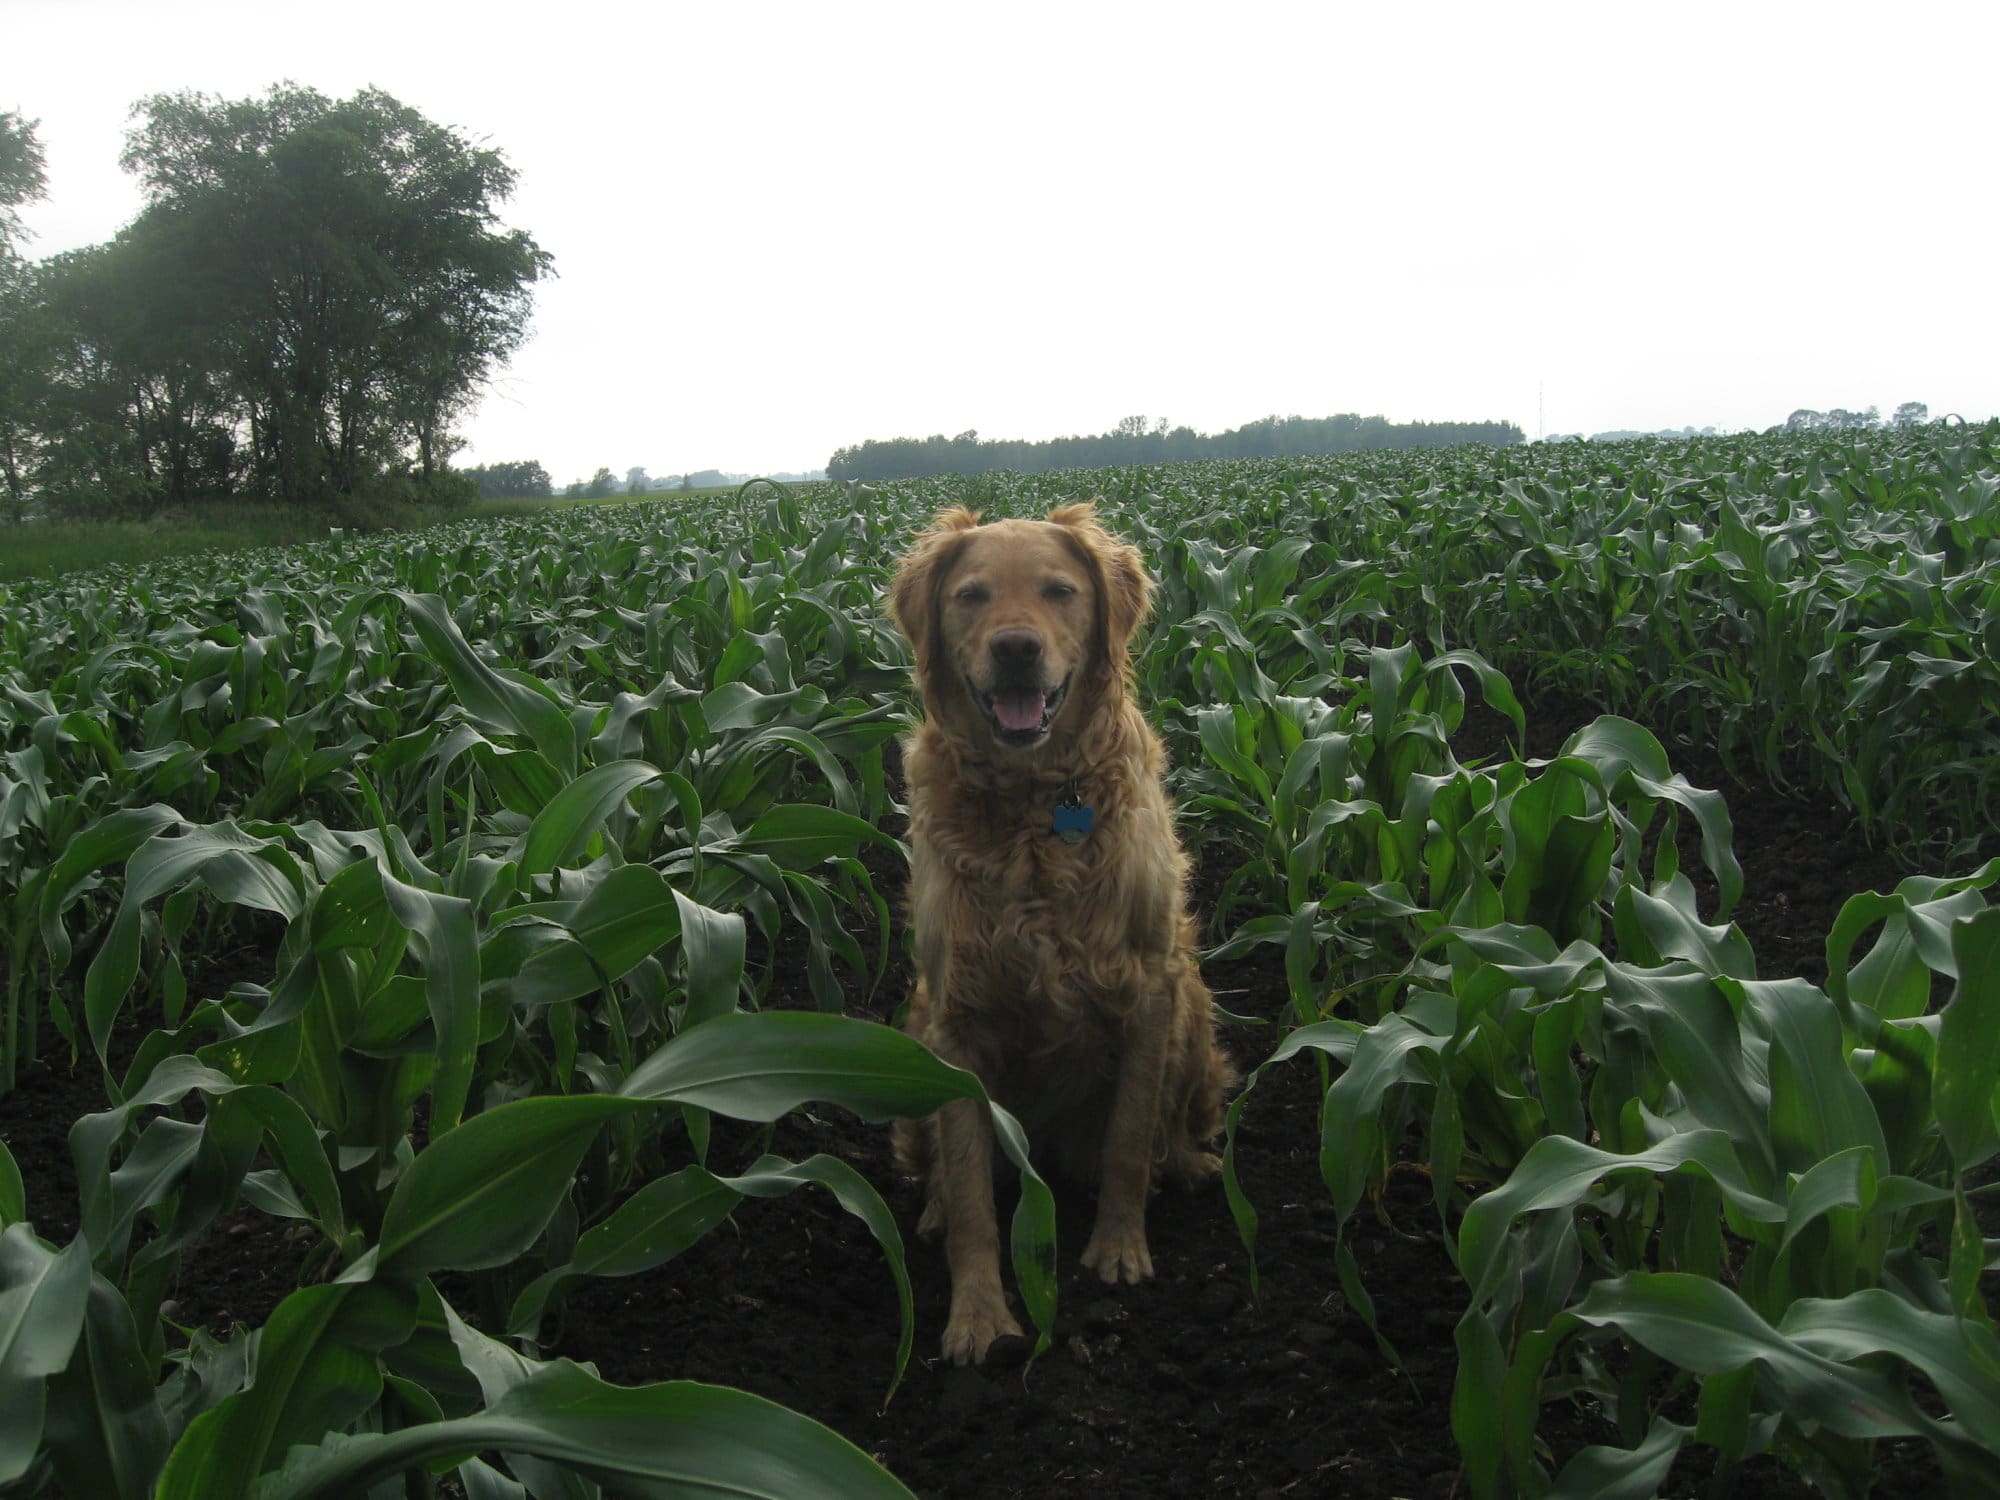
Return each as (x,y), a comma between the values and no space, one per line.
(1016,648)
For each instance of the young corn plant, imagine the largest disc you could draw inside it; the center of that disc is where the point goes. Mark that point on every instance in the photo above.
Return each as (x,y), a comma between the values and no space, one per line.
(502,994)
(507,809)
(373,1374)
(1766,1225)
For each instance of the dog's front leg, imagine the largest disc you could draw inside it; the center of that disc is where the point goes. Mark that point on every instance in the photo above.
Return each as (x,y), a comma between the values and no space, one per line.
(961,1180)
(1117,1249)
(964,1185)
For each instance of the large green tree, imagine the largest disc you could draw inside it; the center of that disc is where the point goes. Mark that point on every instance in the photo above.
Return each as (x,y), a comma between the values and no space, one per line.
(348,287)
(23,175)
(22,368)
(136,408)
(23,179)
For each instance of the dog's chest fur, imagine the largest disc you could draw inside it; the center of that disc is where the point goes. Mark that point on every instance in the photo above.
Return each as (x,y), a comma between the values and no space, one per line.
(1043,931)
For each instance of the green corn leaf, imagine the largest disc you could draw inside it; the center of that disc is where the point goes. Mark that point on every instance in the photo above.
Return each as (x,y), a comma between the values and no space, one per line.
(442,932)
(759,1067)
(294,1143)
(1891,979)
(159,865)
(92,1138)
(44,1295)
(563,829)
(1350,1127)
(1493,685)
(1478,1419)
(1727,1416)
(799,836)
(1961,1357)
(1937,906)
(1818,1106)
(1559,1173)
(1966,1083)
(1338,1038)
(481,1195)
(1844,1180)
(318,1367)
(1896,1072)
(658,1222)
(656,1442)
(671,1213)
(625,918)
(1620,749)
(106,1432)
(484,1482)
(1556,1078)
(772,1177)
(495,701)
(1600,1473)
(109,841)
(13,1191)
(1966,1265)
(1220,738)
(714,945)
(269,880)
(1673,929)
(1704,1327)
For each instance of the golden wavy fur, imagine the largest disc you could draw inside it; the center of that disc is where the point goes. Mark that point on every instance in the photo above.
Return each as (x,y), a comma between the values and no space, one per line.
(1062,973)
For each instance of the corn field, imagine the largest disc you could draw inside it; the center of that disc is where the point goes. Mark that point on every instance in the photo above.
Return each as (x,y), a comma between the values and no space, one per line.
(426,891)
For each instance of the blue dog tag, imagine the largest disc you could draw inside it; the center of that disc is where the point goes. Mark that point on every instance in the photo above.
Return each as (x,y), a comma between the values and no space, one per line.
(1074,822)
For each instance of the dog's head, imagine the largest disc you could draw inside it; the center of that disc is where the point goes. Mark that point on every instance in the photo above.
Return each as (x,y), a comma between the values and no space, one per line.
(1020,628)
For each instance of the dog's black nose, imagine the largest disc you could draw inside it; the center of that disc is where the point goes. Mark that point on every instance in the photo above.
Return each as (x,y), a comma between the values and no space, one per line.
(1015,648)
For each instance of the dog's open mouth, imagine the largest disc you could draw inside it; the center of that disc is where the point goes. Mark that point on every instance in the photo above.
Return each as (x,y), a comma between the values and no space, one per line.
(1020,715)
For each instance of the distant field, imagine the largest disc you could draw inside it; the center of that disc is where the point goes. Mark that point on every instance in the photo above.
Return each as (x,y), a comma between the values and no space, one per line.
(51,548)
(438,900)
(47,549)
(520,504)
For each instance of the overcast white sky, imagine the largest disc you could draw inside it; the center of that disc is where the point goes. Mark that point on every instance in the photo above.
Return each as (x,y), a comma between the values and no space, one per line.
(780,228)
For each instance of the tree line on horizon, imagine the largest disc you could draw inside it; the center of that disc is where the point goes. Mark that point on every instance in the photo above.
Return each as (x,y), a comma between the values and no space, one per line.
(1840,419)
(527,479)
(314,292)
(1135,441)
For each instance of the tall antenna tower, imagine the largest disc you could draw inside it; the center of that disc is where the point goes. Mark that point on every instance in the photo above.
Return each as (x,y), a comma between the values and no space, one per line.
(1541,417)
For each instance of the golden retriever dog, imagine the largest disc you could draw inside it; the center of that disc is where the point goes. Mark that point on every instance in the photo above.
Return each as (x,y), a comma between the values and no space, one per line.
(1055,955)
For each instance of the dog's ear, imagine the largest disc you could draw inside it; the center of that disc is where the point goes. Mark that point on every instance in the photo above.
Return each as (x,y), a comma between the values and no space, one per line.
(913,591)
(1123,584)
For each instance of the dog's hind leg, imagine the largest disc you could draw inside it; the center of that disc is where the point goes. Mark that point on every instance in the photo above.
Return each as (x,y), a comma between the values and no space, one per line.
(1199,1079)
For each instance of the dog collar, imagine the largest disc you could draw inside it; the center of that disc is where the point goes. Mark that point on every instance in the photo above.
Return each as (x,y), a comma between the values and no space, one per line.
(1074,818)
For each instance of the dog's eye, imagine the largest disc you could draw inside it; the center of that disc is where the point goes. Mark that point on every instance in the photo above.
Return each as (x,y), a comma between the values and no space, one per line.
(971,593)
(1058,590)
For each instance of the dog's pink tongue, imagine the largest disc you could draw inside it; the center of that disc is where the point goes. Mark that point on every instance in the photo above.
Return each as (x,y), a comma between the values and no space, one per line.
(1019,710)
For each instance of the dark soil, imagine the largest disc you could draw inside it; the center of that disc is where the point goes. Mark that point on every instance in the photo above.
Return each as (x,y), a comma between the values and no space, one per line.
(1186,1385)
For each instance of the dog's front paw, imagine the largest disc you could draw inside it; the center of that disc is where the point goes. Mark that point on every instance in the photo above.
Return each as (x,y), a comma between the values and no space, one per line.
(1190,1167)
(975,1323)
(1119,1254)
